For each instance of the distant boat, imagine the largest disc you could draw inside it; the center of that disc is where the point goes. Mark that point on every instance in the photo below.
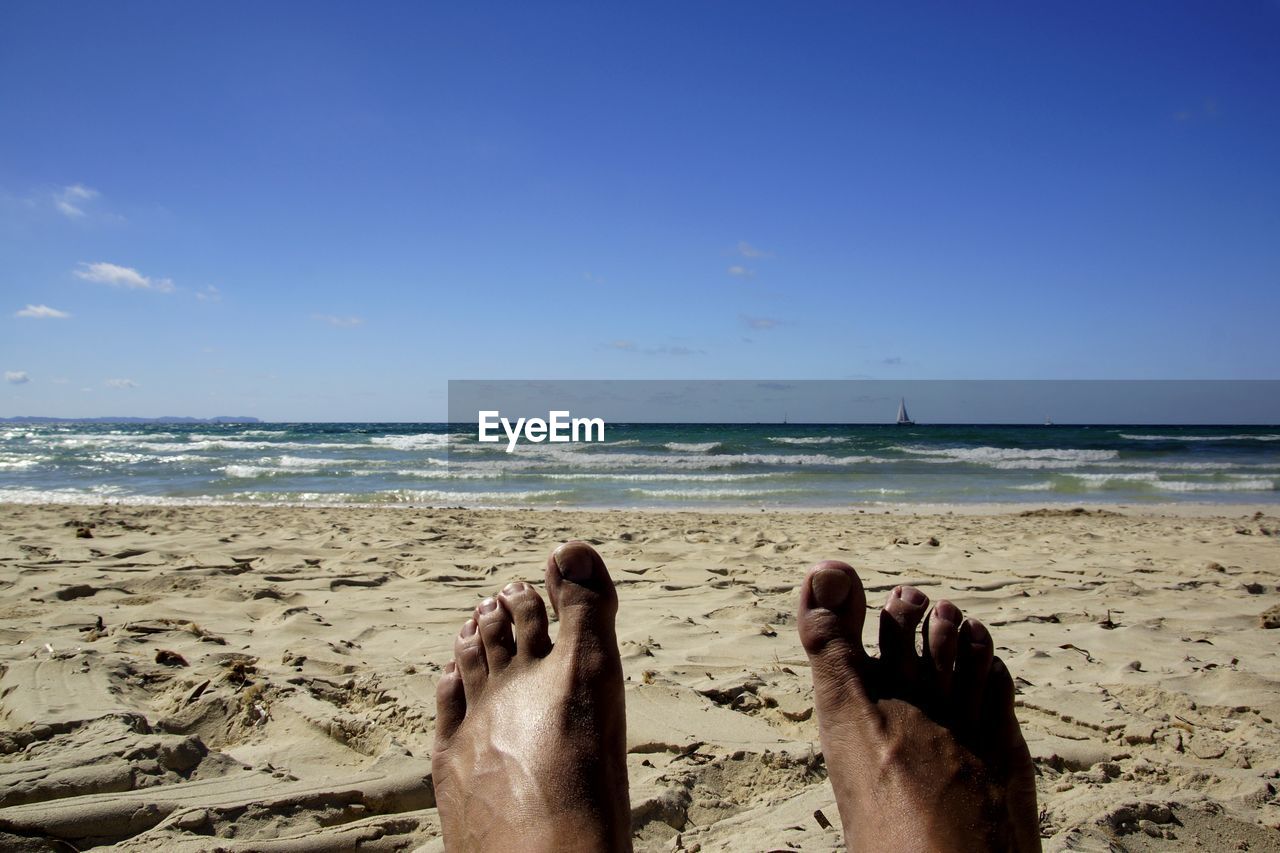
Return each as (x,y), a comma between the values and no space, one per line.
(903,418)
(1048,422)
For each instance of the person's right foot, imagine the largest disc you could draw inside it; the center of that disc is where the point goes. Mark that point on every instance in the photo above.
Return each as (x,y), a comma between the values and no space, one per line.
(923,750)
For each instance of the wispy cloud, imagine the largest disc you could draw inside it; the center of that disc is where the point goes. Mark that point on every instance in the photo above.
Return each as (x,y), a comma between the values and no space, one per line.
(1207,111)
(71,201)
(749,251)
(118,276)
(209,294)
(338,322)
(891,361)
(16,377)
(594,279)
(632,346)
(120,383)
(42,312)
(739,271)
(760,323)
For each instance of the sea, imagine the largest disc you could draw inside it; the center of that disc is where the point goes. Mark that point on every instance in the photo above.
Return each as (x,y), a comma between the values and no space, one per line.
(720,466)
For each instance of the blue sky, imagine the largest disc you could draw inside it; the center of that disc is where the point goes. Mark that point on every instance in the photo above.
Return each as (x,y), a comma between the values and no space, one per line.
(323,211)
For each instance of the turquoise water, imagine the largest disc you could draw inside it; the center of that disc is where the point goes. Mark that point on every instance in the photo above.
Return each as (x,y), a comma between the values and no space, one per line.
(639,465)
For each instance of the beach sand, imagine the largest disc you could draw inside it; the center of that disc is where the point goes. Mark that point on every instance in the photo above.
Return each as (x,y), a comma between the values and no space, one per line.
(262,678)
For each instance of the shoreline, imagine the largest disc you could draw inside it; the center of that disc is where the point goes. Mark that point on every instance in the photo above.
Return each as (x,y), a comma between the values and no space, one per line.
(1164,509)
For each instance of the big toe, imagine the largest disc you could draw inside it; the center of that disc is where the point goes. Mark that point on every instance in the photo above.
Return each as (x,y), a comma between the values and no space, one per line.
(833,607)
(582,596)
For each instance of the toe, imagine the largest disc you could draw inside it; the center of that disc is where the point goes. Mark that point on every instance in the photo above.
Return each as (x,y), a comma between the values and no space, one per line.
(583,596)
(898,623)
(530,617)
(1004,750)
(941,635)
(468,654)
(493,624)
(999,723)
(974,652)
(451,703)
(833,608)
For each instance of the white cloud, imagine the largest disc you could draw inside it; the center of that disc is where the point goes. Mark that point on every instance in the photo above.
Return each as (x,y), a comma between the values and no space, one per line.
(70,201)
(740,271)
(759,323)
(749,251)
(632,346)
(209,294)
(338,322)
(120,383)
(126,277)
(42,312)
(16,377)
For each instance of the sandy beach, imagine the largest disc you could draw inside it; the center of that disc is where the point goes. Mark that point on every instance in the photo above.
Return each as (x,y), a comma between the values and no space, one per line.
(262,678)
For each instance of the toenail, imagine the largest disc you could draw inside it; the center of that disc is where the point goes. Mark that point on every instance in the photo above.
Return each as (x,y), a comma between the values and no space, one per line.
(831,587)
(513,587)
(947,612)
(912,596)
(488,605)
(575,561)
(469,628)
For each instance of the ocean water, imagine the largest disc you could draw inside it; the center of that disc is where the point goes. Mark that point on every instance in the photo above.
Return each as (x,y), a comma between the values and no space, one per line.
(639,465)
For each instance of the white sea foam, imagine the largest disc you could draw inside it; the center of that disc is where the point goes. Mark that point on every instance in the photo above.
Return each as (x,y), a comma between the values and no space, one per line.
(94,494)
(1101,480)
(472,498)
(310,462)
(809,439)
(659,478)
(622,461)
(451,473)
(708,494)
(1240,437)
(692,447)
(1230,486)
(1002,456)
(421,441)
(248,472)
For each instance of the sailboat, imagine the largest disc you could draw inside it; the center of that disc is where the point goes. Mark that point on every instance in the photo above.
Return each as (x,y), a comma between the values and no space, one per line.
(903,418)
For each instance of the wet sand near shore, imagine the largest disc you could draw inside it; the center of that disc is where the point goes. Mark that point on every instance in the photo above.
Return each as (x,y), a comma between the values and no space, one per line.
(262,678)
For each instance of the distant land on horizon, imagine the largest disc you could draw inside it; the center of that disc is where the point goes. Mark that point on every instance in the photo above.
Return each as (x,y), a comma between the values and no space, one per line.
(165,419)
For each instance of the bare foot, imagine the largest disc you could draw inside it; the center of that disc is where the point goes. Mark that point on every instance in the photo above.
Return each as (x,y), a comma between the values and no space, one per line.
(923,750)
(530,750)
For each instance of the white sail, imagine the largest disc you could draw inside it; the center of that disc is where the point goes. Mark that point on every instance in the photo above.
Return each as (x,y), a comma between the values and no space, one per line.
(903,418)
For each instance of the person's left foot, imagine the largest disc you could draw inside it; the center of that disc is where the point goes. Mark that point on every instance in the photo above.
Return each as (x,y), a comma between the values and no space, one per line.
(530,748)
